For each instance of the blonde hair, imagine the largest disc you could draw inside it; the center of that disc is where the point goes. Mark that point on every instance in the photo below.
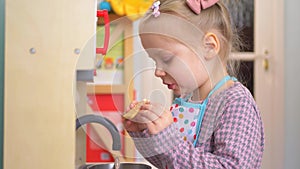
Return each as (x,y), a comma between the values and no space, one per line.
(215,19)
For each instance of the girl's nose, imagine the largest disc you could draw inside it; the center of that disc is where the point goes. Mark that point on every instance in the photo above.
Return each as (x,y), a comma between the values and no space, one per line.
(159,72)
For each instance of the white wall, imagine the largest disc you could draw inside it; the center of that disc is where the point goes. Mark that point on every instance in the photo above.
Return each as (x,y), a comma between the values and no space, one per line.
(292,84)
(146,84)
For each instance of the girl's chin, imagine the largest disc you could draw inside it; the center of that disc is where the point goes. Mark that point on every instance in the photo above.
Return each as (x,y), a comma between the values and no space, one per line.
(176,93)
(183,94)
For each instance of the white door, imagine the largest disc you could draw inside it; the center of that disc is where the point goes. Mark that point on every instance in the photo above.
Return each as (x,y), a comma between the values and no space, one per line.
(270,83)
(266,57)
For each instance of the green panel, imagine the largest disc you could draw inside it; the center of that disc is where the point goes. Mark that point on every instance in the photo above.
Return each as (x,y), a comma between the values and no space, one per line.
(2,36)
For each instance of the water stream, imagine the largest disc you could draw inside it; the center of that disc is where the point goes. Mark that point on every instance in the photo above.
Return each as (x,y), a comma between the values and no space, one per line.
(117,163)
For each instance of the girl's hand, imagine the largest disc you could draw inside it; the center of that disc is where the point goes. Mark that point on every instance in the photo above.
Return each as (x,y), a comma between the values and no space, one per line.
(133,125)
(152,116)
(158,117)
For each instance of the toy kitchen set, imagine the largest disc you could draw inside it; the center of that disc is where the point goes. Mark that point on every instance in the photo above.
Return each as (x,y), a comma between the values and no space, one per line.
(56,53)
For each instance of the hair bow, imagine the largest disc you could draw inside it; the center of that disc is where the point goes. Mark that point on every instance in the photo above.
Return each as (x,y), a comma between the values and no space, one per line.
(198,5)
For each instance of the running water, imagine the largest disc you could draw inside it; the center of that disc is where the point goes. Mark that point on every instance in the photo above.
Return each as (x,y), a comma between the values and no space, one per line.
(117,163)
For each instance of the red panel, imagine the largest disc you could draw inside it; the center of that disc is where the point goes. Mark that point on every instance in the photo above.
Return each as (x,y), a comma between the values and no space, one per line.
(95,152)
(109,106)
(107,102)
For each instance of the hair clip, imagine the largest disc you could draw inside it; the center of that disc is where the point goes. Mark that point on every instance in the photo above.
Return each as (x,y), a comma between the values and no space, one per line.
(155,8)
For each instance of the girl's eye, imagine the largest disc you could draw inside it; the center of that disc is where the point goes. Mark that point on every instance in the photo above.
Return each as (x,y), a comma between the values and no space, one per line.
(167,59)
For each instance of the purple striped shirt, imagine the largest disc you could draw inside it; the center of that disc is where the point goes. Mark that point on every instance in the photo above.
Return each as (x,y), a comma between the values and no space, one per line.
(232,136)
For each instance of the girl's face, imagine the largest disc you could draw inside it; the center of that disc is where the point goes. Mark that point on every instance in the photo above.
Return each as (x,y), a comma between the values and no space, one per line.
(176,64)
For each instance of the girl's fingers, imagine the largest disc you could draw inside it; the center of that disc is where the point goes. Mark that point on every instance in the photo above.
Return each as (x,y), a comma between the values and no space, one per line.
(132,104)
(156,108)
(151,115)
(157,126)
(146,116)
(128,125)
(132,126)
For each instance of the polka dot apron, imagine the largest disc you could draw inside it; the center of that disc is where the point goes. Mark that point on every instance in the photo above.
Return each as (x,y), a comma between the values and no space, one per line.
(188,116)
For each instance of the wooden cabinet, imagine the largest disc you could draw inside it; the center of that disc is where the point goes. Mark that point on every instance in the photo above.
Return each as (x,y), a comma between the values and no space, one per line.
(43,41)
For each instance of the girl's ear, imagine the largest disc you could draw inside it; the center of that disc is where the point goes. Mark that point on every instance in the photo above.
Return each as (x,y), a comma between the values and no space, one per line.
(211,45)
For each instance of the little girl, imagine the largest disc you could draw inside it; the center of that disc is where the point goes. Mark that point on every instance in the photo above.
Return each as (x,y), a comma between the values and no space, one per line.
(214,121)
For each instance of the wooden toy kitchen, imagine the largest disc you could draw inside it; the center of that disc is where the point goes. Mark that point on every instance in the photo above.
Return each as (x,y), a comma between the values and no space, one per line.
(67,64)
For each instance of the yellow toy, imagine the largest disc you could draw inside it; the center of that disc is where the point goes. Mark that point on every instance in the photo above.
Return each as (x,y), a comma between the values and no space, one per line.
(133,9)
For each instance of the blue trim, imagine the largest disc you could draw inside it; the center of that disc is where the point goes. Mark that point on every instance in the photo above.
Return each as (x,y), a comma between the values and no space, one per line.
(199,124)
(183,102)
(2,42)
(202,111)
(220,84)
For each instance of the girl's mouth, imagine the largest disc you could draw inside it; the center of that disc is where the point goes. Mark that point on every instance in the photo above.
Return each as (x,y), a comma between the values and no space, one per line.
(171,86)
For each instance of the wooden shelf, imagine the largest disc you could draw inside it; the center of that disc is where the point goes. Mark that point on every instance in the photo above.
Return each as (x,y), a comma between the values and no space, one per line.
(105,89)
